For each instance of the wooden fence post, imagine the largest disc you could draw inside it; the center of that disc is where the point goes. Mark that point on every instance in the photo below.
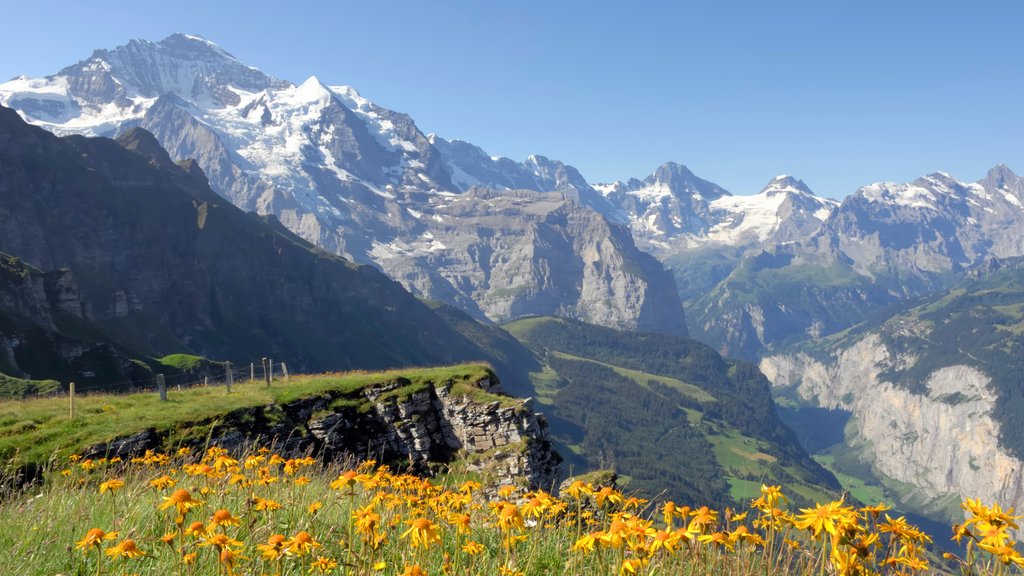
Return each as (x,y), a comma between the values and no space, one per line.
(252,372)
(230,376)
(71,396)
(284,370)
(206,380)
(161,385)
(270,368)
(266,372)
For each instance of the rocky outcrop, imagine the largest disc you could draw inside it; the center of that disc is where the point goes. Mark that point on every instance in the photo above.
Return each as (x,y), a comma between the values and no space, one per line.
(473,425)
(502,437)
(942,439)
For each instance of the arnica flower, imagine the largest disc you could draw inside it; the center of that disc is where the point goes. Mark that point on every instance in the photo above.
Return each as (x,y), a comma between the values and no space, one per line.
(228,557)
(345,480)
(461,522)
(181,500)
(535,507)
(414,570)
(323,565)
(632,566)
(578,489)
(662,540)
(111,486)
(301,544)
(223,517)
(274,548)
(421,532)
(125,549)
(366,520)
(162,482)
(469,486)
(94,537)
(265,504)
(219,541)
(609,496)
(196,530)
(509,517)
(586,542)
(829,517)
(472,548)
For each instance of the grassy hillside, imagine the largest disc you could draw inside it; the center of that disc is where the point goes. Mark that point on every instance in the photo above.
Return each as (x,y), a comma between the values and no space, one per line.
(668,413)
(39,429)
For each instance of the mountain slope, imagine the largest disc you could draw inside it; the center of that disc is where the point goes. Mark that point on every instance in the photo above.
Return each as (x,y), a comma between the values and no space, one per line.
(165,265)
(358,180)
(666,412)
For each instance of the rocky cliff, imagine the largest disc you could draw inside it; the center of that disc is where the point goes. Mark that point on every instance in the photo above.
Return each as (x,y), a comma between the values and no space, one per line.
(471,426)
(942,440)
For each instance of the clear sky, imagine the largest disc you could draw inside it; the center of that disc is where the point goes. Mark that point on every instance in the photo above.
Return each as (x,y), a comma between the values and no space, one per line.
(838,93)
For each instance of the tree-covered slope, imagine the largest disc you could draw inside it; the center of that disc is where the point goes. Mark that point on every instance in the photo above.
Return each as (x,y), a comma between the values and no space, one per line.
(667,412)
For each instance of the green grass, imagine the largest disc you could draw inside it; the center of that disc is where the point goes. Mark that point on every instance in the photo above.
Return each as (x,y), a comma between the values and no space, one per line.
(739,454)
(867,493)
(644,378)
(11,387)
(34,430)
(744,490)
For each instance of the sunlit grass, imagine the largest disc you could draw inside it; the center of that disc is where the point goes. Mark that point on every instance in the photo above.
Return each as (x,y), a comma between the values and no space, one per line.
(36,429)
(259,513)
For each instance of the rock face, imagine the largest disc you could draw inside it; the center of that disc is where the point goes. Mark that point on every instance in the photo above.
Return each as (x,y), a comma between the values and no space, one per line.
(501,441)
(499,437)
(363,182)
(942,441)
(36,309)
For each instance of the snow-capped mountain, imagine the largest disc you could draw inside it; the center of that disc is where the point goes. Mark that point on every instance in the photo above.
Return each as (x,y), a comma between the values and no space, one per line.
(673,211)
(885,243)
(931,226)
(364,182)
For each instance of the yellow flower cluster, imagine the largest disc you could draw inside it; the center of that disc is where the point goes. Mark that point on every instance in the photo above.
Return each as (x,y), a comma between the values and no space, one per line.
(266,514)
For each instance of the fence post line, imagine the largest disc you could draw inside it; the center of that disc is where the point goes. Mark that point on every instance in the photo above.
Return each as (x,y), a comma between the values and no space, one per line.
(229,375)
(162,387)
(284,369)
(71,396)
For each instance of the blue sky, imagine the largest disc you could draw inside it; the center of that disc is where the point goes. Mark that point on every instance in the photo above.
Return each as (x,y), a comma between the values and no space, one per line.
(837,93)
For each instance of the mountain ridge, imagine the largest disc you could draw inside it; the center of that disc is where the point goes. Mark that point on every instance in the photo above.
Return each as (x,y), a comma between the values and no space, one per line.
(355,178)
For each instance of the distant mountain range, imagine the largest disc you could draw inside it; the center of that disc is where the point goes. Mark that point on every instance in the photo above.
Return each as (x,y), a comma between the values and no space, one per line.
(502,239)
(364,182)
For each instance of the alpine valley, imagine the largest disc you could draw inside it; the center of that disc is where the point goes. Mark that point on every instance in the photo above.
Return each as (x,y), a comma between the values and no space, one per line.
(235,210)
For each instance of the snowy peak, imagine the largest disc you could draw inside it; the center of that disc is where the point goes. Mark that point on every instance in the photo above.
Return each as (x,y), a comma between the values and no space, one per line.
(786,184)
(678,180)
(187,66)
(1001,177)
